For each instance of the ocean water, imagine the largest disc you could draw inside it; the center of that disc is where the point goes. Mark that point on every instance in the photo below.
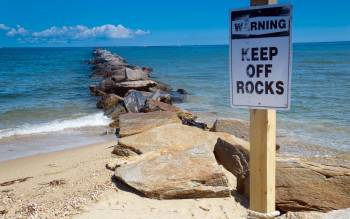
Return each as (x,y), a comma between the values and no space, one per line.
(45,103)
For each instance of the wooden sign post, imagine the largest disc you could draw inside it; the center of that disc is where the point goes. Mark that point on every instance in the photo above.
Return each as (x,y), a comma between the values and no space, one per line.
(260,79)
(262,161)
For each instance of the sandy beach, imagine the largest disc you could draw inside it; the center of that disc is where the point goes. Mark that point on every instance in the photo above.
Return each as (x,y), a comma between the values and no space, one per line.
(76,182)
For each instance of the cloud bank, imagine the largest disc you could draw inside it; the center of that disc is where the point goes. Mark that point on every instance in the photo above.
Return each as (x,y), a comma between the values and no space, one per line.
(72,33)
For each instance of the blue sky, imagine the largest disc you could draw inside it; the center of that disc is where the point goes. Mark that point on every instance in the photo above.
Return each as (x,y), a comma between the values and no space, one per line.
(152,22)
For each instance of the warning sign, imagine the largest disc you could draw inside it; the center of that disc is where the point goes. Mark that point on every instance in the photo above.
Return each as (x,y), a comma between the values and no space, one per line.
(260,57)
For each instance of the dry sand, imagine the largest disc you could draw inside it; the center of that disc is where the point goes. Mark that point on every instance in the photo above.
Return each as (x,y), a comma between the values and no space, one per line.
(76,183)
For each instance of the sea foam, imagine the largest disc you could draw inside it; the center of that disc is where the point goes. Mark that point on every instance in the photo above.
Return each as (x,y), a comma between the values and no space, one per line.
(96,119)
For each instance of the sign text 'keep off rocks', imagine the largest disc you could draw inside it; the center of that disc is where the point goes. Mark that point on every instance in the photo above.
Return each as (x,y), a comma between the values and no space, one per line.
(260,57)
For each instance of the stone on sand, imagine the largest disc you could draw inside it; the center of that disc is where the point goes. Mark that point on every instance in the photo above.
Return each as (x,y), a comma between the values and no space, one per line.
(173,174)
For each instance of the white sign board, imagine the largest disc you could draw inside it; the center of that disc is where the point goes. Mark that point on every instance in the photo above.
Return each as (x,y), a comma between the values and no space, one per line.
(260,57)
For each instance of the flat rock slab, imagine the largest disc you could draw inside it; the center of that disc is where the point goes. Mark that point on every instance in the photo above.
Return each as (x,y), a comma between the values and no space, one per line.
(133,123)
(121,88)
(174,174)
(308,184)
(175,136)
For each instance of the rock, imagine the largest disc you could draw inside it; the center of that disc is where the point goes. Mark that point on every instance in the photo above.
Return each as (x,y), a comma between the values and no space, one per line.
(165,174)
(116,111)
(146,94)
(118,75)
(134,101)
(107,85)
(95,91)
(336,214)
(161,96)
(301,184)
(174,135)
(135,74)
(155,105)
(181,91)
(109,101)
(161,86)
(235,158)
(147,70)
(141,85)
(177,97)
(114,124)
(312,185)
(186,115)
(123,151)
(133,123)
(235,127)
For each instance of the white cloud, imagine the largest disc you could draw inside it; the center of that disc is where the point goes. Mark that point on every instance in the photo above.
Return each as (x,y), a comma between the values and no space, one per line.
(78,32)
(18,31)
(4,27)
(142,32)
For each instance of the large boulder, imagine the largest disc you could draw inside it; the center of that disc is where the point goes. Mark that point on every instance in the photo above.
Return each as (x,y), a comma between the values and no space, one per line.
(235,158)
(302,184)
(173,174)
(135,101)
(176,136)
(312,184)
(133,123)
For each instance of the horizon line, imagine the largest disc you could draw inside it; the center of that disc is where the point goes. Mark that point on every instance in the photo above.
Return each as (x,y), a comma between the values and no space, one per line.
(169,45)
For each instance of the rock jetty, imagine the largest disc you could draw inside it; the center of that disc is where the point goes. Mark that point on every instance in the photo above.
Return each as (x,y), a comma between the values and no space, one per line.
(164,153)
(124,88)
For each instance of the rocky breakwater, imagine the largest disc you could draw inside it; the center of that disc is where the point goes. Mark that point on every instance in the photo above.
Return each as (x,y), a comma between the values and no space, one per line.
(124,88)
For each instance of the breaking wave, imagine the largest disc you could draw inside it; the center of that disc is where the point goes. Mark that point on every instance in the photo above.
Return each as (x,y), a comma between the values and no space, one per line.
(97,119)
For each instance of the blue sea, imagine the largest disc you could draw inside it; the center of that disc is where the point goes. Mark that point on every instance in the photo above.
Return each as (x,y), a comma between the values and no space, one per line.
(45,103)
